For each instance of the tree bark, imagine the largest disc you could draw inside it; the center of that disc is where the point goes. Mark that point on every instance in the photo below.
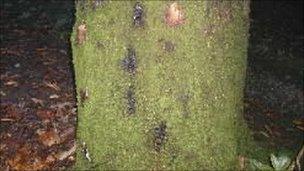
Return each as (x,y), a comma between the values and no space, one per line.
(160,84)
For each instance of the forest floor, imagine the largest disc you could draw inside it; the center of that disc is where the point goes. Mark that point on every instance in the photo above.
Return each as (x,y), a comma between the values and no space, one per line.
(274,87)
(38,105)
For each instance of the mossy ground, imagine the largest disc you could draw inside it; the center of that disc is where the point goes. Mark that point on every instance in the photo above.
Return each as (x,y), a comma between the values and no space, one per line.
(207,66)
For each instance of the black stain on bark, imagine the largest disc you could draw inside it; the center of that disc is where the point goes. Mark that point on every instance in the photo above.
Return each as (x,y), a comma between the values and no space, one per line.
(129,63)
(160,136)
(131,101)
(138,15)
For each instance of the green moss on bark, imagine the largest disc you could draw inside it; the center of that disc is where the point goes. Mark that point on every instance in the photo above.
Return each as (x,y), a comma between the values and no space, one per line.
(190,76)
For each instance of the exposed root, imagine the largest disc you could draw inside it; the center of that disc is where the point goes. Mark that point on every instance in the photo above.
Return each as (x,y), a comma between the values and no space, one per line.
(296,164)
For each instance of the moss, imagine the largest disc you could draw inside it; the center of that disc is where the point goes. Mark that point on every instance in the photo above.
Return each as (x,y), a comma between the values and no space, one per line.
(206,67)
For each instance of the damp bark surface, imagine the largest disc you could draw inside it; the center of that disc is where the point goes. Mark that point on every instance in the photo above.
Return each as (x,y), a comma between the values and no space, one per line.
(182,89)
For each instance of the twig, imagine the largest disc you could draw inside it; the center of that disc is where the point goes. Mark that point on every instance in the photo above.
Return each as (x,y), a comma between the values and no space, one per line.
(65,154)
(7,120)
(296,162)
(298,159)
(86,152)
(61,105)
(53,85)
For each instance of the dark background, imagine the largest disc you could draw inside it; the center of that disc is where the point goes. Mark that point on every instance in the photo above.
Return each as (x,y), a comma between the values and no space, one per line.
(37,90)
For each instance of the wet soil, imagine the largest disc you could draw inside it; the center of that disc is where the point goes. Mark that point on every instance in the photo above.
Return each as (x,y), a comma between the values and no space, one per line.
(274,85)
(38,112)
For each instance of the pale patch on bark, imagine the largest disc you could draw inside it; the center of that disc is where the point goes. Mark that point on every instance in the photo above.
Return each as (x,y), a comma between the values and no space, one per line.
(174,15)
(81,34)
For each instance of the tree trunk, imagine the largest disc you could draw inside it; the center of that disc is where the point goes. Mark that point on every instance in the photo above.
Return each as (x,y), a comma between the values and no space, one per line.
(160,84)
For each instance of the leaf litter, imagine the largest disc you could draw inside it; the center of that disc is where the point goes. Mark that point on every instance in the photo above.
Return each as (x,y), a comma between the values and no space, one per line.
(37,115)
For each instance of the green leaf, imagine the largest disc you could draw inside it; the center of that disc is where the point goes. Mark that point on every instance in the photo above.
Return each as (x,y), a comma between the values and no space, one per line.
(256,165)
(280,162)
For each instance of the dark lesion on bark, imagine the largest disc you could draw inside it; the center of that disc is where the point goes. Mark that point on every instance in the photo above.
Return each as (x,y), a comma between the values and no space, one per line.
(169,46)
(211,5)
(138,15)
(97,3)
(131,101)
(85,5)
(160,136)
(129,63)
(184,98)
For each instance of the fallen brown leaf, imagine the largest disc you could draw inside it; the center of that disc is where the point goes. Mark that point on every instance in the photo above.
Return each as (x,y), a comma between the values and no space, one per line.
(268,129)
(48,138)
(242,160)
(265,134)
(54,96)
(45,115)
(25,160)
(298,122)
(69,132)
(11,52)
(2,93)
(37,101)
(50,159)
(63,155)
(300,128)
(53,85)
(7,120)
(9,112)
(41,49)
(11,83)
